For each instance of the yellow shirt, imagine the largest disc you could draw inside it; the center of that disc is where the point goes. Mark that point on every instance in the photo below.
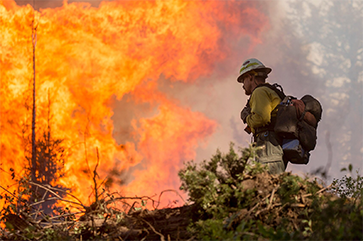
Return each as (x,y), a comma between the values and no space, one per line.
(262,102)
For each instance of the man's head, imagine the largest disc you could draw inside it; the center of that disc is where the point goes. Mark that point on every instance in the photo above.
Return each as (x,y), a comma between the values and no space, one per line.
(252,73)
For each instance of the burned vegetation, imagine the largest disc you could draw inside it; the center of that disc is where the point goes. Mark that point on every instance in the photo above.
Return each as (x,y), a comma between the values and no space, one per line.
(230,198)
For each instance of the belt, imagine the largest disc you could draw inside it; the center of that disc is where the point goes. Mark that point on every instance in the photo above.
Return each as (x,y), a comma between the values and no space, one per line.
(269,127)
(259,130)
(263,129)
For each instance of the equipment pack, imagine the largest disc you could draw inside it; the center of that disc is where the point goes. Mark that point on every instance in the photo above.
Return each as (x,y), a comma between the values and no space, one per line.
(296,124)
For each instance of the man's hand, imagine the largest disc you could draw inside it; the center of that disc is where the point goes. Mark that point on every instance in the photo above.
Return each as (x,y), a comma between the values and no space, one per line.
(244,113)
(248,130)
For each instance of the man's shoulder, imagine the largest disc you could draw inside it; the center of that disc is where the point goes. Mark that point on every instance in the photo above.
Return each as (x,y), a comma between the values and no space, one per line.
(266,89)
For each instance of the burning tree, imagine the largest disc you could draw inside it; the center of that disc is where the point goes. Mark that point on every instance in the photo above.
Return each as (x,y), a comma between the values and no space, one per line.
(48,167)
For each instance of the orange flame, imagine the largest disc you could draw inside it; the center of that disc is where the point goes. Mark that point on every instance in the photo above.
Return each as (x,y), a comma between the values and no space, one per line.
(87,58)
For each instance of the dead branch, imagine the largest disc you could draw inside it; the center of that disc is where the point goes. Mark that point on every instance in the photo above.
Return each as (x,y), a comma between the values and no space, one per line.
(323,189)
(168,190)
(8,192)
(318,192)
(64,215)
(297,205)
(162,238)
(272,196)
(58,197)
(94,177)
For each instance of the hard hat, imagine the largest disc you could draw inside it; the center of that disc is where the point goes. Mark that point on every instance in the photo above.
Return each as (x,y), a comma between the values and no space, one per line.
(253,64)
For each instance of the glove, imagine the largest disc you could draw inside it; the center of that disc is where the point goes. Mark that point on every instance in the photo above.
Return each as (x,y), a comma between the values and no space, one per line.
(248,130)
(244,113)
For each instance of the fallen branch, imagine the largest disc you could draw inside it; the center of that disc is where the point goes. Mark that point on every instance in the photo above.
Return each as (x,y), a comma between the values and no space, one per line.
(272,196)
(59,197)
(168,190)
(318,192)
(162,238)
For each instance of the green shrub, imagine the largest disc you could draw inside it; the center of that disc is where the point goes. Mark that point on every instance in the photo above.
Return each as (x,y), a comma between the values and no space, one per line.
(236,199)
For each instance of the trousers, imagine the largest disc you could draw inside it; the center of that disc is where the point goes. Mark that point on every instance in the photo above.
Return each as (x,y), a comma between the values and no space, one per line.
(271,153)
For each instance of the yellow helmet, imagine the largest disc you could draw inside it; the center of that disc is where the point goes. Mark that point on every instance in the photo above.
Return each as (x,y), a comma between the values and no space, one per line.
(253,65)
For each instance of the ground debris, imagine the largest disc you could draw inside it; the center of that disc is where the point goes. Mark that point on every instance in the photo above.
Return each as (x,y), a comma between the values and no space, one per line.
(267,204)
(158,224)
(273,201)
(172,223)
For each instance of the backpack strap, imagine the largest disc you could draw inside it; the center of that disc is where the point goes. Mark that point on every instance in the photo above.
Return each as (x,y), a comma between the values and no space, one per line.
(275,87)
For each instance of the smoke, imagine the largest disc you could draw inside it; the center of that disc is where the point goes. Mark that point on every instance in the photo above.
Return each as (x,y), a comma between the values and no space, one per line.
(305,60)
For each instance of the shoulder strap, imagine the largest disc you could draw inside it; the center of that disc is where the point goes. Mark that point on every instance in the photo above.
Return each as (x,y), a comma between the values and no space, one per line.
(275,87)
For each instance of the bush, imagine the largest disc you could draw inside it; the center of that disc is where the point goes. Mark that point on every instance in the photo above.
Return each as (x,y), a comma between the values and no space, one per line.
(236,199)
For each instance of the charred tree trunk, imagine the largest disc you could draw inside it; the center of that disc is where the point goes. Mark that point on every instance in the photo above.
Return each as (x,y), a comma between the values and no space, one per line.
(34,162)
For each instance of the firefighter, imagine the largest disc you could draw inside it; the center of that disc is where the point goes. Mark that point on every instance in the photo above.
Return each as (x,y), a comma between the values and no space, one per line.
(260,114)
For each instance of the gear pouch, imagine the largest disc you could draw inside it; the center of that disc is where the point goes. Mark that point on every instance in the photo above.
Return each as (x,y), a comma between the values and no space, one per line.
(294,152)
(286,122)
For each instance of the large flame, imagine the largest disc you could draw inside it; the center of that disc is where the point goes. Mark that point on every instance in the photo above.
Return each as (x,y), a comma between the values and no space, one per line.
(86,59)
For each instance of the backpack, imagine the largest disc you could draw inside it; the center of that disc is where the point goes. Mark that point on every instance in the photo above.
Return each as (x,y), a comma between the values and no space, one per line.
(296,124)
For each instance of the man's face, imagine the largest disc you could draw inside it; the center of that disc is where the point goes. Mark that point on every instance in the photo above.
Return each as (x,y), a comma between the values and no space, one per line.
(247,84)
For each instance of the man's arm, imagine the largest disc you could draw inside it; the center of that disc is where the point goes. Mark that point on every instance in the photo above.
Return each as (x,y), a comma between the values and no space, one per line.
(261,108)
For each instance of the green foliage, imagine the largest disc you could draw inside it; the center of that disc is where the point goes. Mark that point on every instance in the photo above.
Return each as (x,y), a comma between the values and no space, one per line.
(214,229)
(18,200)
(218,182)
(290,187)
(348,186)
(237,200)
(344,212)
